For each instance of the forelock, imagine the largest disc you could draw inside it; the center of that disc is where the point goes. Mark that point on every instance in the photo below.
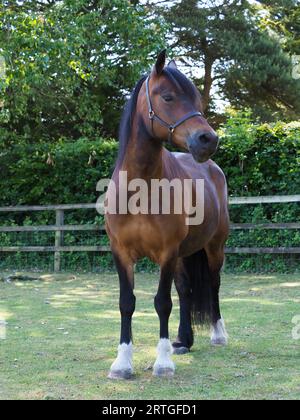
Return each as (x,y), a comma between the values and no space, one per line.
(179,79)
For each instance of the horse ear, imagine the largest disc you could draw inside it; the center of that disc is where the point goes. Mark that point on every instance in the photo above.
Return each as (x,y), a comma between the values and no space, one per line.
(160,62)
(173,64)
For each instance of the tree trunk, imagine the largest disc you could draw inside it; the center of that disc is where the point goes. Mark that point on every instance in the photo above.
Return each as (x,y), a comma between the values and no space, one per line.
(208,81)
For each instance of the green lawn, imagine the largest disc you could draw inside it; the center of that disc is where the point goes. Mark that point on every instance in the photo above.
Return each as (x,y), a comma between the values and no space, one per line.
(63,331)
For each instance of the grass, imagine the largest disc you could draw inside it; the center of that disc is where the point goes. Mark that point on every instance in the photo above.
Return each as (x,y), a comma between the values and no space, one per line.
(63,330)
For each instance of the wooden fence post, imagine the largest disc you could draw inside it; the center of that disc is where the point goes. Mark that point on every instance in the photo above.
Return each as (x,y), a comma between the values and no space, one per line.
(58,239)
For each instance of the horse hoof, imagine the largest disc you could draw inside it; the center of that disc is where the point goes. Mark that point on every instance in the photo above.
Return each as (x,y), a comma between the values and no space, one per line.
(219,336)
(120,374)
(218,342)
(180,350)
(164,372)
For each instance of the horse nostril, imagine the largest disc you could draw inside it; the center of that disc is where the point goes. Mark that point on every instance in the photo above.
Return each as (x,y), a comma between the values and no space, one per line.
(208,138)
(204,139)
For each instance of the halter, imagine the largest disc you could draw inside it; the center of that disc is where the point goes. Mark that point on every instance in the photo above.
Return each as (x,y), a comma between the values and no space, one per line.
(171,127)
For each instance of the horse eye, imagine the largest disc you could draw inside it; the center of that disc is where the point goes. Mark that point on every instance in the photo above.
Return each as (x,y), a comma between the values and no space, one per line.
(168,98)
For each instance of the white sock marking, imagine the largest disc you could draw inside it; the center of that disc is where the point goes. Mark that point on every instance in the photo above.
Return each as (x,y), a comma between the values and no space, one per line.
(164,352)
(124,360)
(219,334)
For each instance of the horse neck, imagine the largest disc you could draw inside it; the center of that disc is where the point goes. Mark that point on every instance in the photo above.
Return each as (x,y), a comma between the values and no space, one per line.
(144,155)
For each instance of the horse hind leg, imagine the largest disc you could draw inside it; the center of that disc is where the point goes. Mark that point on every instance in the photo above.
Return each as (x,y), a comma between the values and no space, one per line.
(219,336)
(185,337)
(194,286)
(198,283)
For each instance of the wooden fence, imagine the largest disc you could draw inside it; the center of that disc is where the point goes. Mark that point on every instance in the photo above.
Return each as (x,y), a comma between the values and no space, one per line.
(59,228)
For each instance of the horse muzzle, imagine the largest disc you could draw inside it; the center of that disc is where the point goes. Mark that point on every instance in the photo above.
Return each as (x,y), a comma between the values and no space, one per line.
(203,145)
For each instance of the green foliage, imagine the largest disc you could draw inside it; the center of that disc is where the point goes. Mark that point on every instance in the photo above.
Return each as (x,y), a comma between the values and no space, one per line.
(66,67)
(243,50)
(63,172)
(259,159)
(283,17)
(69,64)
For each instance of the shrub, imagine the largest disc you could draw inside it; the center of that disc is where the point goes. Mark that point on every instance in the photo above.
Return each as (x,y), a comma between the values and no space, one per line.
(260,159)
(62,173)
(257,160)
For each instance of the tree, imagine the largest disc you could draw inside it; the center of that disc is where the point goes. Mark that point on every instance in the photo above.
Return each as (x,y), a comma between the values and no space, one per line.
(284,19)
(243,58)
(70,63)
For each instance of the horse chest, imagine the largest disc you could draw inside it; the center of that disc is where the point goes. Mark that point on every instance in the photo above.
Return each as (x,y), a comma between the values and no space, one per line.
(148,236)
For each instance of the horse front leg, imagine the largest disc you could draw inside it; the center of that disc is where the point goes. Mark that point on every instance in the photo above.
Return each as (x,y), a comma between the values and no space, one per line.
(122,368)
(164,365)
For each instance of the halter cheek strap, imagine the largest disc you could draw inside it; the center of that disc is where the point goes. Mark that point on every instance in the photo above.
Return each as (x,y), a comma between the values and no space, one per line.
(171,127)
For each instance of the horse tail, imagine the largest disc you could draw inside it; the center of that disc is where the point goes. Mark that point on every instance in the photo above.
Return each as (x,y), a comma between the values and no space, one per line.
(201,289)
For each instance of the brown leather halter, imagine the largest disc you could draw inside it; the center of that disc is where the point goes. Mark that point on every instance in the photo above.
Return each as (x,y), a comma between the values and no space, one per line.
(154,117)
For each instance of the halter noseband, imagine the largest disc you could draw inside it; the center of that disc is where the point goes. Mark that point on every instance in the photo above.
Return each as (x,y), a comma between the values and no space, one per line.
(171,127)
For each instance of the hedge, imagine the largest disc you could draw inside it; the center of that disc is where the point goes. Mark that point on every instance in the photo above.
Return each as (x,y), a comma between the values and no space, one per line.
(45,173)
(257,160)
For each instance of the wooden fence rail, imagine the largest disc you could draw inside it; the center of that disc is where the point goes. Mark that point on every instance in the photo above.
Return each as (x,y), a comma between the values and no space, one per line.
(59,228)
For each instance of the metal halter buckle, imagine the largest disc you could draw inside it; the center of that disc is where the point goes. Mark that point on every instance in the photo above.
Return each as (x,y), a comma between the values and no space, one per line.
(151,115)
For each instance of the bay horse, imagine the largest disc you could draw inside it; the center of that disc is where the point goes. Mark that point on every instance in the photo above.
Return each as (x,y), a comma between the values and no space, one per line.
(166,106)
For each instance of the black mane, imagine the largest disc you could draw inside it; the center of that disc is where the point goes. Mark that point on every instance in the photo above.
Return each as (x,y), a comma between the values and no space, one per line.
(127,118)
(176,77)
